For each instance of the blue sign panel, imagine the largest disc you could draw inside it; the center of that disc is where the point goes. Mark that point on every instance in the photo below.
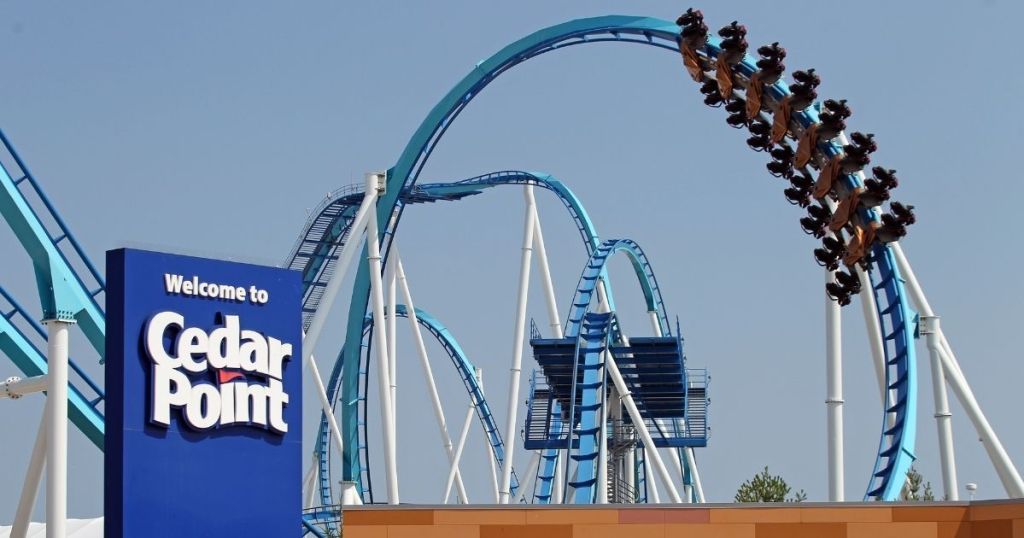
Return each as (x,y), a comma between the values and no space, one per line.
(204,398)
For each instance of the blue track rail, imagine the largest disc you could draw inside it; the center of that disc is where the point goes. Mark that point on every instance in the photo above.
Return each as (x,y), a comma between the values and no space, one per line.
(63,271)
(646,31)
(326,231)
(546,475)
(591,343)
(596,268)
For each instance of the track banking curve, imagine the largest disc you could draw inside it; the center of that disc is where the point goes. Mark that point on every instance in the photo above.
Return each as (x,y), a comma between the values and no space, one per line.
(896,444)
(66,294)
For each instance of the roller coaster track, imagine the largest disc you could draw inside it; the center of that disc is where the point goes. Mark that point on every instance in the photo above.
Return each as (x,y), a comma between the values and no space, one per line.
(896,445)
(591,343)
(69,283)
(326,231)
(594,333)
(586,290)
(328,226)
(54,251)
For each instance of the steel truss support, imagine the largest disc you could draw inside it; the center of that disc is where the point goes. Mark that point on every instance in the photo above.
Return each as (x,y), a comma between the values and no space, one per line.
(834,393)
(454,468)
(1008,474)
(428,373)
(555,324)
(517,341)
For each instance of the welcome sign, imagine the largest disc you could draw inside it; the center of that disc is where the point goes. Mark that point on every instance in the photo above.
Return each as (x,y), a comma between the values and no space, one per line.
(203,406)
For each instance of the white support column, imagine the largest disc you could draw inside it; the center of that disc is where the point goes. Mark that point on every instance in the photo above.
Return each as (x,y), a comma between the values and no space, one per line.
(392,322)
(554,322)
(874,329)
(930,328)
(57,428)
(348,252)
(454,468)
(380,343)
(517,344)
(530,479)
(428,373)
(655,322)
(641,428)
(309,485)
(1008,474)
(695,475)
(33,476)
(602,447)
(487,443)
(834,394)
(677,466)
(603,305)
(325,403)
(652,483)
(494,470)
(558,489)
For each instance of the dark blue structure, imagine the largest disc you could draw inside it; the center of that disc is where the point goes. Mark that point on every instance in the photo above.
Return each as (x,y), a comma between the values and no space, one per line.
(230,478)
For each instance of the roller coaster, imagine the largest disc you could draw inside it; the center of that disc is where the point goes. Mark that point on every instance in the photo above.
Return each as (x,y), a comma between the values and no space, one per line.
(605,410)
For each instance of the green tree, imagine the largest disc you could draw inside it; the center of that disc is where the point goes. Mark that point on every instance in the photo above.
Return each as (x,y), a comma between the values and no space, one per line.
(767,488)
(912,488)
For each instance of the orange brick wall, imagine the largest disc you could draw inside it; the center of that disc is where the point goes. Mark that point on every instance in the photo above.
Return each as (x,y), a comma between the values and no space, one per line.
(984,519)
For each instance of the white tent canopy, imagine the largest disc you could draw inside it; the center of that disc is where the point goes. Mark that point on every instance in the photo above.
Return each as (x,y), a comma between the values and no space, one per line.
(77,528)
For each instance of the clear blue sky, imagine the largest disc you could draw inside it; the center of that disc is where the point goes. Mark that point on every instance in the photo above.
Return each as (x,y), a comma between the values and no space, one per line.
(213,127)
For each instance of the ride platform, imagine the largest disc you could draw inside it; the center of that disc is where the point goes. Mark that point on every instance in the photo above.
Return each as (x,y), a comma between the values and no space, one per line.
(671,398)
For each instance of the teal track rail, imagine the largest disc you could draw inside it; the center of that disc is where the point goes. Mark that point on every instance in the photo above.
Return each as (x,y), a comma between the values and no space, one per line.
(591,343)
(596,269)
(52,247)
(656,33)
(83,410)
(316,249)
(60,263)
